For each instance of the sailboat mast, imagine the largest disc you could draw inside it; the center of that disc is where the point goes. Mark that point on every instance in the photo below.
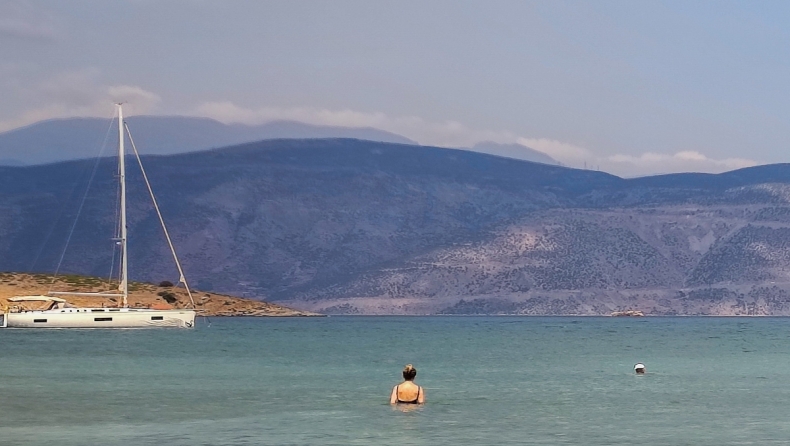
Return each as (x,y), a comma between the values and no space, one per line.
(123,286)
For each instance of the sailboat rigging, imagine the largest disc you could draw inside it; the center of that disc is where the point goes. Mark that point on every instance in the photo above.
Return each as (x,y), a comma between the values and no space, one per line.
(61,314)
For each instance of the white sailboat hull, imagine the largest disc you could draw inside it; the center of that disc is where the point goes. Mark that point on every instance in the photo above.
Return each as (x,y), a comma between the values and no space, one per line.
(100,318)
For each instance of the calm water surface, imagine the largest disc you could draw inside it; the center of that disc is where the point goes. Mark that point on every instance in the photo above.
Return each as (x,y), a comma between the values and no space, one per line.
(488,380)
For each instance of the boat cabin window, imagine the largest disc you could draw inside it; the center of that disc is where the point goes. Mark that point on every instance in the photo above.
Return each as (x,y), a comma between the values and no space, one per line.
(39,320)
(157,318)
(114,309)
(97,310)
(102,319)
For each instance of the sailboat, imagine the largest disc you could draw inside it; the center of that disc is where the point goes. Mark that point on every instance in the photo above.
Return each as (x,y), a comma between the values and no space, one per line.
(61,314)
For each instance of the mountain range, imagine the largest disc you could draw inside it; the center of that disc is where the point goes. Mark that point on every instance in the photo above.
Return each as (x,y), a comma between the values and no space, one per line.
(75,138)
(361,227)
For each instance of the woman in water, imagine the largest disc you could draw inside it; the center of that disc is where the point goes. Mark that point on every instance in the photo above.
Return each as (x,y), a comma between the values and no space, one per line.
(407,392)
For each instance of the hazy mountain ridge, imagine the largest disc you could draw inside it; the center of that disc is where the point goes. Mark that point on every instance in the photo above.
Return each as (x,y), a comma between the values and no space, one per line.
(516,151)
(362,227)
(75,138)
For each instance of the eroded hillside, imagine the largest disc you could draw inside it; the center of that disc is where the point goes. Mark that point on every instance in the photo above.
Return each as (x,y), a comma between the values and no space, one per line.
(673,260)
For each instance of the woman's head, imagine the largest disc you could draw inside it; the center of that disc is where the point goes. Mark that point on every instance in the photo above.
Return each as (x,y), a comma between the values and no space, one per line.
(409,372)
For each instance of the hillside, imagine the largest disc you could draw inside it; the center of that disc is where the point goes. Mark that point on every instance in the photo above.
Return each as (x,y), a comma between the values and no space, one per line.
(141,295)
(349,226)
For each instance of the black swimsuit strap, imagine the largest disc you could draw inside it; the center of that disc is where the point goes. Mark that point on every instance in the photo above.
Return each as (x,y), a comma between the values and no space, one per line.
(415,401)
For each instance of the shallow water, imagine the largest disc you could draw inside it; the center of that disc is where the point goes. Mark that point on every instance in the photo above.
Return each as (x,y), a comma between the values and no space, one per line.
(488,380)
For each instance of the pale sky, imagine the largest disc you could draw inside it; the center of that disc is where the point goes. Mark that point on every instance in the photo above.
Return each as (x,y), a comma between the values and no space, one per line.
(634,87)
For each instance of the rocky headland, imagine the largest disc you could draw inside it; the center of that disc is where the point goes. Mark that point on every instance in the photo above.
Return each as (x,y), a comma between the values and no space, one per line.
(141,295)
(627,313)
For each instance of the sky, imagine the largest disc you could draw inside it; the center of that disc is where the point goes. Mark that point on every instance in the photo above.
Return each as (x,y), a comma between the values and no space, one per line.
(628,87)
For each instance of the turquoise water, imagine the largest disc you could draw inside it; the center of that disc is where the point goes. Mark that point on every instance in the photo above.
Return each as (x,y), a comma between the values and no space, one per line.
(488,380)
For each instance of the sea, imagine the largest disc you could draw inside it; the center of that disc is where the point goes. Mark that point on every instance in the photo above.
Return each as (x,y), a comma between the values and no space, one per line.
(327,381)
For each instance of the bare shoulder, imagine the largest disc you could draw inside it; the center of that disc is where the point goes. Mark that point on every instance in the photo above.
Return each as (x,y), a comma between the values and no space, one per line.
(394,395)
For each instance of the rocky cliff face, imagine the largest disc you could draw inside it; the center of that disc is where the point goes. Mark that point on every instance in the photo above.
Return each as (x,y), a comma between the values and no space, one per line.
(348,226)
